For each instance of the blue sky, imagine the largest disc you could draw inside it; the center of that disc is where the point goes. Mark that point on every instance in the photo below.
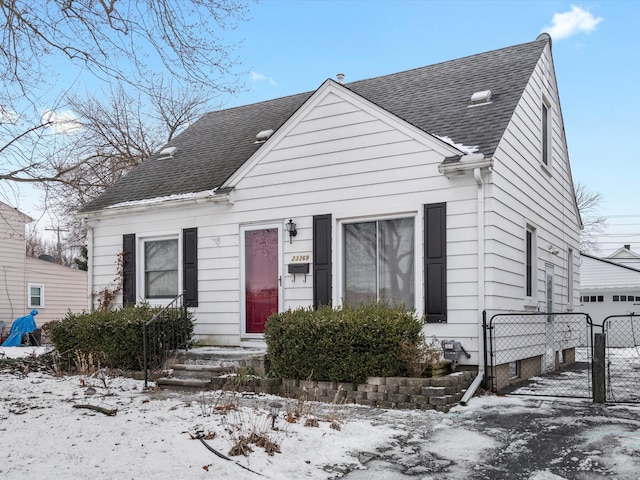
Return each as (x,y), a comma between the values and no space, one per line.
(290,46)
(293,46)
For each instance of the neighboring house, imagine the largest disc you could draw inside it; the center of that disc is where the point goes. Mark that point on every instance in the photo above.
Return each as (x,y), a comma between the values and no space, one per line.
(447,188)
(28,283)
(625,256)
(611,286)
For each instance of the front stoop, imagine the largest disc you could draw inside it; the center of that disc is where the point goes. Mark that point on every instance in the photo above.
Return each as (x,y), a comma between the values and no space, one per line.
(202,368)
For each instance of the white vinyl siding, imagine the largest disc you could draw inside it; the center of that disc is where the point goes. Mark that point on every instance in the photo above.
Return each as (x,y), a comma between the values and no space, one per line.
(65,289)
(524,193)
(13,286)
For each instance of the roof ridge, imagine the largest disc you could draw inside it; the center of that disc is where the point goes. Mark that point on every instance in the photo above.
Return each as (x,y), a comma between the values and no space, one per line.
(457,59)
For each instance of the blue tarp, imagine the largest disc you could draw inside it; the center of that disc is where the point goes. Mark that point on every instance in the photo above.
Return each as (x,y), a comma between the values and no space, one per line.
(22,325)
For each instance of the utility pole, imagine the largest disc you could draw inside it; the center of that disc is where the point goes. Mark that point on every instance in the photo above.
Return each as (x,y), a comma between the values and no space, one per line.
(59,247)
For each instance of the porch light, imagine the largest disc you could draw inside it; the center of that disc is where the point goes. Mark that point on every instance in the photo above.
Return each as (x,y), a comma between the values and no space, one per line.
(291,228)
(274,408)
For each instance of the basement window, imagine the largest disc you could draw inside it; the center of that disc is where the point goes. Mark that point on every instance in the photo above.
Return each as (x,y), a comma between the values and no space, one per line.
(514,370)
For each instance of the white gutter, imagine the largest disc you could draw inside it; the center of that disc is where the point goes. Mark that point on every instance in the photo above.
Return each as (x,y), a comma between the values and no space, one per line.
(89,265)
(470,162)
(477,175)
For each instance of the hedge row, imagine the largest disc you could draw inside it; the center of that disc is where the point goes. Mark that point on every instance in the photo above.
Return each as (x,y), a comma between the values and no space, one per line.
(347,344)
(112,338)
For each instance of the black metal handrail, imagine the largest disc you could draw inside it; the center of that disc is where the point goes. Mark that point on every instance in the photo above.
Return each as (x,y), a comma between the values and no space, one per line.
(165,333)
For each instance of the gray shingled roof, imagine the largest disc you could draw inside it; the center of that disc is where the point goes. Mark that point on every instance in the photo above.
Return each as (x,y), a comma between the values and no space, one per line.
(434,98)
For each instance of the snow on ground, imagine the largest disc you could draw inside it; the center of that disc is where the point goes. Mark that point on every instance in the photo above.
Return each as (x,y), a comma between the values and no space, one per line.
(44,434)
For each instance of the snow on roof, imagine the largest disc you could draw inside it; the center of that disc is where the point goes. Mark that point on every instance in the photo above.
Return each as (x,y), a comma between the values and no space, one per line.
(459,146)
(150,201)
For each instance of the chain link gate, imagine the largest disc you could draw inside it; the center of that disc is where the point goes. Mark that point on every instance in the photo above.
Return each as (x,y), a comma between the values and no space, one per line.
(622,357)
(528,353)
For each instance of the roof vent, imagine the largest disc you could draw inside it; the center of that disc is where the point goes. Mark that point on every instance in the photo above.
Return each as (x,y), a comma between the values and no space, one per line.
(340,77)
(263,136)
(167,152)
(481,98)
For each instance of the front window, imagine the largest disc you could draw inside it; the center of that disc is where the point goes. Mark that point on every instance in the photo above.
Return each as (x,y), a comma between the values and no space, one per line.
(36,295)
(379,262)
(161,268)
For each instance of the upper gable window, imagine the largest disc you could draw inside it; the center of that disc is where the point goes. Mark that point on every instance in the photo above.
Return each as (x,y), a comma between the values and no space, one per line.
(546,133)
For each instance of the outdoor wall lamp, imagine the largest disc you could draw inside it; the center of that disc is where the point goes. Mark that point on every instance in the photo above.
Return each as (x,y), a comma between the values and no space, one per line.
(291,228)
(553,250)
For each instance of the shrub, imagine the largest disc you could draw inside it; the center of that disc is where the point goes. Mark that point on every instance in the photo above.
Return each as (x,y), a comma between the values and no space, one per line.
(110,336)
(347,344)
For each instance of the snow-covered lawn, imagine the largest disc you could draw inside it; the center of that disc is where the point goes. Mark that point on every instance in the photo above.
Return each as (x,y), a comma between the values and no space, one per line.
(51,427)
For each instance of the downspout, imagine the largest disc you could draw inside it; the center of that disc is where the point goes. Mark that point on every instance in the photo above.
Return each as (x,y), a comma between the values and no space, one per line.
(89,264)
(477,175)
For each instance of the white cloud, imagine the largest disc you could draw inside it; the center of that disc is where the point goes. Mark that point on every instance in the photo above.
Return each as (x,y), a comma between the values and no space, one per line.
(64,122)
(567,24)
(259,77)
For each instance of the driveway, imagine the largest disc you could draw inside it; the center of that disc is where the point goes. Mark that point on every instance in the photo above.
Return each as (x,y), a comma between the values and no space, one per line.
(510,438)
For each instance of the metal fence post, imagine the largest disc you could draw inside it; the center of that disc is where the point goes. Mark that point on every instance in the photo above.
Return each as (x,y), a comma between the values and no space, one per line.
(599,350)
(185,320)
(486,366)
(144,353)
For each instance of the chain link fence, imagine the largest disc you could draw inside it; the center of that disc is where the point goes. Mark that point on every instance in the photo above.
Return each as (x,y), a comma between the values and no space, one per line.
(528,353)
(622,358)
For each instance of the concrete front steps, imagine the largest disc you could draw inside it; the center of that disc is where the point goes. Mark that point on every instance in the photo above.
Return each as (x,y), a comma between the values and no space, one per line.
(204,368)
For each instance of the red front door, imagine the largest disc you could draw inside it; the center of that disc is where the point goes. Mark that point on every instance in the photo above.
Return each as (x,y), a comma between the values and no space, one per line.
(261,277)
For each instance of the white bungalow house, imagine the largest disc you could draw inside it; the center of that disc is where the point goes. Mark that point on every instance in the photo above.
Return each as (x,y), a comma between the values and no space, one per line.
(446,187)
(28,283)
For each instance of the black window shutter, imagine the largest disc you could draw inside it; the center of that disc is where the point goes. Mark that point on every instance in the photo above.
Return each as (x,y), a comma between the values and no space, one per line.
(190,266)
(321,260)
(129,269)
(435,262)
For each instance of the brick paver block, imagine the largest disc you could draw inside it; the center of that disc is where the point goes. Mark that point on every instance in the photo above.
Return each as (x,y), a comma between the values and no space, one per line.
(388,388)
(410,390)
(376,380)
(377,396)
(443,381)
(433,391)
(398,397)
(365,387)
(327,385)
(419,382)
(399,381)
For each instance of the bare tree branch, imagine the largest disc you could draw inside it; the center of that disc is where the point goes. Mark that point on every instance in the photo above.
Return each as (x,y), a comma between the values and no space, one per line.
(117,135)
(588,204)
